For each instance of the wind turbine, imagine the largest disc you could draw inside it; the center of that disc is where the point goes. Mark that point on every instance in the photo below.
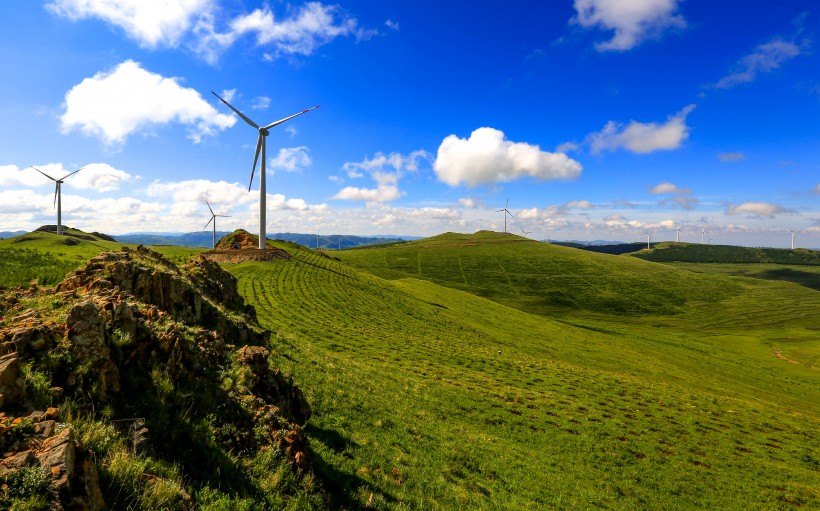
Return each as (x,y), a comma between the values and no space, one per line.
(213,219)
(506,212)
(702,234)
(677,233)
(525,232)
(58,195)
(260,147)
(793,233)
(648,238)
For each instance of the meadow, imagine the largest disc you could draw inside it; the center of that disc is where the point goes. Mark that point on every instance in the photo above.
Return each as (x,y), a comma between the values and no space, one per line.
(431,397)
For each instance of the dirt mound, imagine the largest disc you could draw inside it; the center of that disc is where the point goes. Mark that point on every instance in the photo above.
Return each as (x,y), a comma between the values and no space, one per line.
(239,239)
(242,255)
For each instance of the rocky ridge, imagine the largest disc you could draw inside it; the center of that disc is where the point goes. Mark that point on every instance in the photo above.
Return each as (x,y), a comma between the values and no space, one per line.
(156,352)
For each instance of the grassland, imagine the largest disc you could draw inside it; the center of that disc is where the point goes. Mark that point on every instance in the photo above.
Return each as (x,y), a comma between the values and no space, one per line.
(808,276)
(699,253)
(47,258)
(430,397)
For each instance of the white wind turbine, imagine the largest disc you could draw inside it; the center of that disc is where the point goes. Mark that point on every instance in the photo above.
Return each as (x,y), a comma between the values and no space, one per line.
(702,234)
(506,212)
(648,238)
(677,233)
(260,147)
(793,233)
(58,195)
(213,219)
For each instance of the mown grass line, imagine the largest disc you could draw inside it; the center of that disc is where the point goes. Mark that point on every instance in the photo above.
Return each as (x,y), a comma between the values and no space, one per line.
(415,405)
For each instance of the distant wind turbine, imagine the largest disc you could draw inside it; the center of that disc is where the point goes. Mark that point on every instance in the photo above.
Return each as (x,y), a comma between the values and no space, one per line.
(506,212)
(793,233)
(648,238)
(677,233)
(58,195)
(213,219)
(702,234)
(525,232)
(260,147)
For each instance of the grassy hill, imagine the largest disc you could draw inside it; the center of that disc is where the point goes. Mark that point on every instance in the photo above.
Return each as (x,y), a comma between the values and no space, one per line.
(539,277)
(428,397)
(699,253)
(47,258)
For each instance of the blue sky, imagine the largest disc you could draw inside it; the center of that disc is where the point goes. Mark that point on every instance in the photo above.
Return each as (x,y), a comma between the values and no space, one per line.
(597,119)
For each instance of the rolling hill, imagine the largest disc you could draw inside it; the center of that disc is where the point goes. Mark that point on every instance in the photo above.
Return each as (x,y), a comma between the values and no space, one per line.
(699,253)
(427,396)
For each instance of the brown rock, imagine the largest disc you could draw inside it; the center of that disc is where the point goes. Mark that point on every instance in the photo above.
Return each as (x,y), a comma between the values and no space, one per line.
(12,385)
(88,342)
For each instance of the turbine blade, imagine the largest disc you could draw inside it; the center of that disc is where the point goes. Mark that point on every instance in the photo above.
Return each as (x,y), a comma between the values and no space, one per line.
(507,204)
(79,169)
(259,142)
(240,114)
(209,223)
(280,121)
(56,191)
(43,173)
(209,206)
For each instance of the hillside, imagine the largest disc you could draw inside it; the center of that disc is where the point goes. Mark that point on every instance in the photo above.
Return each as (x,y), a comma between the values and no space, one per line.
(542,278)
(47,258)
(203,239)
(699,253)
(139,385)
(429,397)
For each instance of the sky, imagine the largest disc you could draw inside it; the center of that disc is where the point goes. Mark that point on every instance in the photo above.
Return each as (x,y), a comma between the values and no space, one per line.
(587,119)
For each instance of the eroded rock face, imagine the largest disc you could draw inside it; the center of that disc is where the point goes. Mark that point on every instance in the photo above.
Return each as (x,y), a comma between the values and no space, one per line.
(12,386)
(88,342)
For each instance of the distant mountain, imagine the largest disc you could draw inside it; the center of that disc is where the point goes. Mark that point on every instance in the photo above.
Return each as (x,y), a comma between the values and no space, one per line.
(202,239)
(10,234)
(336,241)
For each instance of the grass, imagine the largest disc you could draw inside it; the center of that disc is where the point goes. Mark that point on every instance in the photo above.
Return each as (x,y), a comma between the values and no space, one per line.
(47,258)
(700,253)
(429,397)
(808,276)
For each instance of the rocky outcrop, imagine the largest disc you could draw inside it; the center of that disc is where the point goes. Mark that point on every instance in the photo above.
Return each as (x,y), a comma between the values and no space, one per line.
(152,345)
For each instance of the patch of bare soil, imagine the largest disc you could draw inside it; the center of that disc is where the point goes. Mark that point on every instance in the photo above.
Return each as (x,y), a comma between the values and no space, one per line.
(246,254)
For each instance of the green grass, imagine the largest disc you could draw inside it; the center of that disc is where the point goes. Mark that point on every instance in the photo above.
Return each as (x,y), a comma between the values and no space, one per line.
(541,278)
(428,397)
(699,253)
(808,276)
(47,258)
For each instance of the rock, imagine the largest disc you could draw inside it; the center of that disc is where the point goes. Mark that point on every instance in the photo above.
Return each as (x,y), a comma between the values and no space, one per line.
(88,342)
(56,457)
(12,384)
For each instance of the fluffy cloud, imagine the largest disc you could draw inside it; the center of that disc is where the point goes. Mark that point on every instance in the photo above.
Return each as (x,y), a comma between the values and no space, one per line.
(579,204)
(100,177)
(487,157)
(387,189)
(112,105)
(765,58)
(260,103)
(152,23)
(730,157)
(641,137)
(667,188)
(472,203)
(200,190)
(632,21)
(312,26)
(291,159)
(756,209)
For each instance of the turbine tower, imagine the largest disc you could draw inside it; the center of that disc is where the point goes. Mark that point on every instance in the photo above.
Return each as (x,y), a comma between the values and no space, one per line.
(58,195)
(648,238)
(260,147)
(506,212)
(793,233)
(677,233)
(213,219)
(702,234)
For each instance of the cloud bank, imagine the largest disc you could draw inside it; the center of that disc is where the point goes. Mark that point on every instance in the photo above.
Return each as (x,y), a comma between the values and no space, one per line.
(488,157)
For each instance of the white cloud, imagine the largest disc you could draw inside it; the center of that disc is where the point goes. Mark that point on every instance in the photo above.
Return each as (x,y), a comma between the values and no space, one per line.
(765,58)
(260,103)
(688,203)
(290,130)
(314,25)
(667,188)
(471,203)
(100,177)
(291,159)
(487,157)
(756,209)
(152,23)
(392,24)
(631,20)
(383,193)
(11,175)
(730,157)
(336,179)
(579,204)
(113,105)
(641,137)
(380,161)
(567,147)
(200,190)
